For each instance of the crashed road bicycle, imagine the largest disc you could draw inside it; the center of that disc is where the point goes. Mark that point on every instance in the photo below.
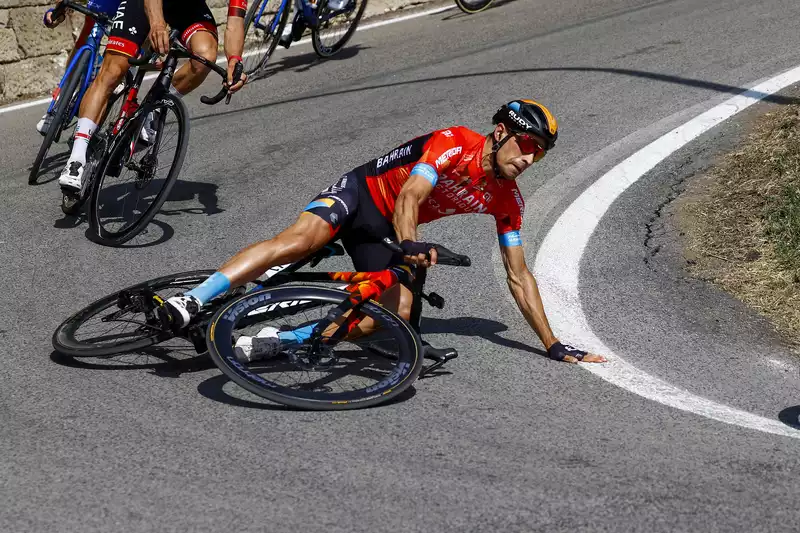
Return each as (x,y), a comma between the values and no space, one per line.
(330,368)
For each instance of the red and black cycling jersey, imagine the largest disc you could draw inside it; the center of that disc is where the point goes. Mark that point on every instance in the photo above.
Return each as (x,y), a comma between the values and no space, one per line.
(359,207)
(130,25)
(450,160)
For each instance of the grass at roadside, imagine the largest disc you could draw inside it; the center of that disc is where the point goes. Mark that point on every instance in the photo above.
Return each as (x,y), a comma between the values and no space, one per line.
(741,221)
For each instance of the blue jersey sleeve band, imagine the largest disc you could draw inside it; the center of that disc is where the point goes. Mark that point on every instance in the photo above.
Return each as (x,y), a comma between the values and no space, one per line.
(427,172)
(510,238)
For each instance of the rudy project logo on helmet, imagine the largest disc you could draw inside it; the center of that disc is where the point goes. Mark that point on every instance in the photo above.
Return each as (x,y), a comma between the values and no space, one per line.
(519,120)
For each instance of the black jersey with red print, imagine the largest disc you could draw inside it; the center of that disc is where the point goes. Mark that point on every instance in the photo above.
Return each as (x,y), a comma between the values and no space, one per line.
(130,25)
(451,160)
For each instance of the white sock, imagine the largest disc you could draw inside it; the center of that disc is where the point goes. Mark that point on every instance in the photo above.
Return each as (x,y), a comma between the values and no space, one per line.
(173,91)
(83,133)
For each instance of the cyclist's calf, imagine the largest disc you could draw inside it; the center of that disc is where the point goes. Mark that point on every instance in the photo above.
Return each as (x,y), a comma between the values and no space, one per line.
(112,72)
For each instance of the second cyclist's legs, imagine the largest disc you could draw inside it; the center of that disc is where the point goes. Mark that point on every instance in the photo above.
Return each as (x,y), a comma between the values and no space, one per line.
(112,72)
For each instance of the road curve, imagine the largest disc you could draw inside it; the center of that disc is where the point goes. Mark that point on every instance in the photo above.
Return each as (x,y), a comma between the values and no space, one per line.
(509,441)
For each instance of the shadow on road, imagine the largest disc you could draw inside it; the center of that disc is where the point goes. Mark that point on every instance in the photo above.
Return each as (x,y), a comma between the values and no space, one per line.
(158,231)
(468,326)
(307,61)
(657,76)
(213,389)
(162,361)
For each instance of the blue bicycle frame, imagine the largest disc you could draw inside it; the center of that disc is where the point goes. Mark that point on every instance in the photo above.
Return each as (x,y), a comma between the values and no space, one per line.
(95,60)
(309,14)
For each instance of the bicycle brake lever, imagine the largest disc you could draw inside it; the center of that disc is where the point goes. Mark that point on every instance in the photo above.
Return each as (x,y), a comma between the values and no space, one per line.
(237,75)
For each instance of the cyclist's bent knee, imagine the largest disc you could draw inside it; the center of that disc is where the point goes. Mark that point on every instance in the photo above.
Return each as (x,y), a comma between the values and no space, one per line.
(113,70)
(203,44)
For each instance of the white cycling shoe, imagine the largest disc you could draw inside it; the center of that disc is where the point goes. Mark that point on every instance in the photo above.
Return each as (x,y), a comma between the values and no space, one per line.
(263,344)
(72,176)
(181,309)
(44,123)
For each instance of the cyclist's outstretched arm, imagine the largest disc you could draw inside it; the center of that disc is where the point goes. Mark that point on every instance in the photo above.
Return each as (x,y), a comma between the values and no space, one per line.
(526,293)
(234,39)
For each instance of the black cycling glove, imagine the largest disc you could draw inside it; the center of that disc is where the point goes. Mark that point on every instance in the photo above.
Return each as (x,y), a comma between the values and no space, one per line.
(559,352)
(415,248)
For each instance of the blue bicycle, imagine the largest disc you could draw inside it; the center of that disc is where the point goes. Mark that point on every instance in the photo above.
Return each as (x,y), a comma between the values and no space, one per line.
(332,23)
(63,109)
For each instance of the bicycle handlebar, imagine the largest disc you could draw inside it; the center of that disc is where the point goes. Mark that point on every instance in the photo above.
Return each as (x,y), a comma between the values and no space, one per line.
(68,4)
(443,255)
(178,50)
(237,74)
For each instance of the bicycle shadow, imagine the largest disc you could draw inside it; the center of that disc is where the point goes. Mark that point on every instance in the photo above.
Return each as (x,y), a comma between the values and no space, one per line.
(214,389)
(158,231)
(51,167)
(162,361)
(306,61)
(468,326)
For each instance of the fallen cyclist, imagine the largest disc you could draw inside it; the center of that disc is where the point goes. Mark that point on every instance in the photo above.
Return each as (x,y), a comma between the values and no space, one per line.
(446,172)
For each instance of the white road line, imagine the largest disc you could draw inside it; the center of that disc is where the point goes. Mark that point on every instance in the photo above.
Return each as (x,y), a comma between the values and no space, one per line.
(558,261)
(365,27)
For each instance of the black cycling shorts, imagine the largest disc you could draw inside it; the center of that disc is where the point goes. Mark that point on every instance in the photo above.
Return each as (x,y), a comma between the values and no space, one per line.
(130,26)
(348,208)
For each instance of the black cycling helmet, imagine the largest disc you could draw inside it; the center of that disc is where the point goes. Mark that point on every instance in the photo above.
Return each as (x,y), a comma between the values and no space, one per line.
(527,116)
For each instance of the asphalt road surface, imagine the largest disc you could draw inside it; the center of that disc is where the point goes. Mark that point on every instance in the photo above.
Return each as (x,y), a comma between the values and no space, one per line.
(509,440)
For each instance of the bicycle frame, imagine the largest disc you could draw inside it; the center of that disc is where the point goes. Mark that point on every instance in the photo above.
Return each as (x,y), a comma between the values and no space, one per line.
(308,10)
(95,60)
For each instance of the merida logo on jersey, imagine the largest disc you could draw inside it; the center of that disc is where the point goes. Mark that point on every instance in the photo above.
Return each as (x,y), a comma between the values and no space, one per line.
(465,201)
(520,201)
(447,155)
(399,152)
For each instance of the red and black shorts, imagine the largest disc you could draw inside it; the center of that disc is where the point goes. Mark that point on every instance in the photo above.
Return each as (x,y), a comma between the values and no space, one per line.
(130,26)
(353,217)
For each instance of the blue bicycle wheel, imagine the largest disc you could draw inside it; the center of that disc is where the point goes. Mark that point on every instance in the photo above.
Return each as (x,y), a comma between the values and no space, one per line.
(263,27)
(46,168)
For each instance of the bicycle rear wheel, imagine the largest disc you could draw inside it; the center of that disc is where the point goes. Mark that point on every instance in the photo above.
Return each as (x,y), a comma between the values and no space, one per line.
(344,375)
(335,27)
(62,115)
(135,177)
(263,27)
(473,6)
(123,321)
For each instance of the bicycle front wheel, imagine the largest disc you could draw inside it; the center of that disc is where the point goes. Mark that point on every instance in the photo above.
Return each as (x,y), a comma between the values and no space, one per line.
(473,6)
(263,27)
(335,25)
(138,171)
(47,168)
(348,374)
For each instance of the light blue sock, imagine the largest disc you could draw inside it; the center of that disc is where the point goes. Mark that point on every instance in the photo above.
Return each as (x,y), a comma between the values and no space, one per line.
(296,336)
(215,285)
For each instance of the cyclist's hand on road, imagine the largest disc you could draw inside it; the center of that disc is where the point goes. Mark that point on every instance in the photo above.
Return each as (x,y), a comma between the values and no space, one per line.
(569,354)
(233,87)
(159,37)
(417,253)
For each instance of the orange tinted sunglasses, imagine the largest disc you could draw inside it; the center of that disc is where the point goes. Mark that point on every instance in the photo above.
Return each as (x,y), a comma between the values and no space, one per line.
(529,145)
